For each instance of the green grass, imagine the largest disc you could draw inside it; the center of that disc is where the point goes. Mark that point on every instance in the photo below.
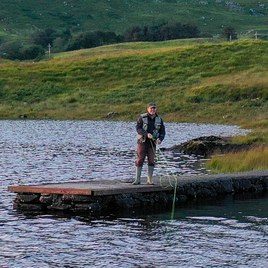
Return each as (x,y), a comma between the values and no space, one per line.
(23,17)
(255,159)
(201,81)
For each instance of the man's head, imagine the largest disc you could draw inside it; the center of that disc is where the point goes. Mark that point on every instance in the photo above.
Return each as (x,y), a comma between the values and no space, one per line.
(151,108)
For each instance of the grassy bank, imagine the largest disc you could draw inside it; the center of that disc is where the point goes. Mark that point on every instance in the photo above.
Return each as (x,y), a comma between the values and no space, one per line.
(255,159)
(191,80)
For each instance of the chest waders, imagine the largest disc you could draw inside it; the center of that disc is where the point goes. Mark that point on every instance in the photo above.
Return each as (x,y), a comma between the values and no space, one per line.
(142,139)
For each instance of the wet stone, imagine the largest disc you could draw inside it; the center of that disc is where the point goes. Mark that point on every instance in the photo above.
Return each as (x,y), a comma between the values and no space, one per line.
(81,207)
(205,192)
(60,206)
(46,199)
(95,208)
(258,186)
(226,185)
(76,198)
(28,198)
(182,198)
(241,185)
(190,191)
(125,201)
(29,207)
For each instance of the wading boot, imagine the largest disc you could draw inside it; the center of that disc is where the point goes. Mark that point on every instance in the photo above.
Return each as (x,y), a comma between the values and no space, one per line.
(150,175)
(138,176)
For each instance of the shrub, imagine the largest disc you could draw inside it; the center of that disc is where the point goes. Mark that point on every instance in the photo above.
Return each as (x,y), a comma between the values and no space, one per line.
(16,51)
(92,39)
(163,31)
(229,33)
(11,50)
(43,38)
(31,52)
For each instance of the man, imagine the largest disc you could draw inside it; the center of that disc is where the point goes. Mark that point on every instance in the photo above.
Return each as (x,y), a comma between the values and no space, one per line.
(151,131)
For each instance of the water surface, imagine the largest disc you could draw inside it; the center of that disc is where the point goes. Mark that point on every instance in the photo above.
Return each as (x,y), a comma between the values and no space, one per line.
(224,233)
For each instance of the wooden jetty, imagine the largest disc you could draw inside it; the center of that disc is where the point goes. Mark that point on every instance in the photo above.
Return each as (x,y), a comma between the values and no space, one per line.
(106,196)
(92,188)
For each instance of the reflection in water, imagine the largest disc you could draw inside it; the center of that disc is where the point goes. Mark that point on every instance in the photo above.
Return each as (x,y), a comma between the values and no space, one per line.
(225,233)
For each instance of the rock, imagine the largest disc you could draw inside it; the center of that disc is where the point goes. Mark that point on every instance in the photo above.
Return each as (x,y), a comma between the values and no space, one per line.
(23,116)
(29,207)
(95,208)
(76,198)
(28,198)
(46,199)
(208,145)
(111,114)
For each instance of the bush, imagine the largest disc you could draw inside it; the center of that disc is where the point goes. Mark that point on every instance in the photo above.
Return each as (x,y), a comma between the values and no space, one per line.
(16,51)
(229,33)
(11,50)
(31,52)
(161,32)
(93,39)
(43,38)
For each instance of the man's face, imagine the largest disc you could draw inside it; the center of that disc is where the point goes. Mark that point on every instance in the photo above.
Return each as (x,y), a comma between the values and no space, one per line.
(151,110)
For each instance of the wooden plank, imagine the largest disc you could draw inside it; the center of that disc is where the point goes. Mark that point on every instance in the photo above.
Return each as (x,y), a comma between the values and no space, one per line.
(49,190)
(95,188)
(132,189)
(112,187)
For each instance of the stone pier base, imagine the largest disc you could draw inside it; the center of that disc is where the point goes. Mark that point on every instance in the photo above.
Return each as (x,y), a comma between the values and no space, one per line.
(133,198)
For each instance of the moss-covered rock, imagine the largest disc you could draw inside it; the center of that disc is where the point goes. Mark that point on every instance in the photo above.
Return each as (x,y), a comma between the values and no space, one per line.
(209,145)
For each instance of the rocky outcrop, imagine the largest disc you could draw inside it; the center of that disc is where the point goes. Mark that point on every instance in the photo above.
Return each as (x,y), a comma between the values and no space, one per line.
(209,145)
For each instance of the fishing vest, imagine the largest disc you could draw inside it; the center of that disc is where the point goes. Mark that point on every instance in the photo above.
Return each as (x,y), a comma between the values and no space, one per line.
(157,126)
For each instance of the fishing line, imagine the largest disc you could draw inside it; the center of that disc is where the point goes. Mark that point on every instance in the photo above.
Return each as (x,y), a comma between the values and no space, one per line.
(171,176)
(169,179)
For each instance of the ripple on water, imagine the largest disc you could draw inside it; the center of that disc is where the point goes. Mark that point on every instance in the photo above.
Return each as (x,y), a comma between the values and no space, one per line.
(55,151)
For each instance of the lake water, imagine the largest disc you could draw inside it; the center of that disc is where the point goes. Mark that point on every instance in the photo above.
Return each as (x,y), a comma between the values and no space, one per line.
(225,233)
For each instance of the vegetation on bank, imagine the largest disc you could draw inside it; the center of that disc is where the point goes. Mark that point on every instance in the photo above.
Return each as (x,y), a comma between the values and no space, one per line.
(255,159)
(191,80)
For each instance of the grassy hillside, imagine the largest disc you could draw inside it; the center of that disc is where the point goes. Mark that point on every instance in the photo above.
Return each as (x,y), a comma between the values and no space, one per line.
(21,17)
(191,81)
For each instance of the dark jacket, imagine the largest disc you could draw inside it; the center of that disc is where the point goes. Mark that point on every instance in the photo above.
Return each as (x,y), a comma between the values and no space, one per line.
(150,127)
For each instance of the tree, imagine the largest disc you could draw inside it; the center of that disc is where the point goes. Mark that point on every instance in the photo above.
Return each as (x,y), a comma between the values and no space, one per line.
(11,50)
(15,50)
(135,33)
(44,37)
(160,32)
(229,33)
(92,39)
(31,52)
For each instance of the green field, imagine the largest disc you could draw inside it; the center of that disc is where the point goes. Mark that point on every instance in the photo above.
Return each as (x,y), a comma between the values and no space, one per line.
(191,81)
(23,17)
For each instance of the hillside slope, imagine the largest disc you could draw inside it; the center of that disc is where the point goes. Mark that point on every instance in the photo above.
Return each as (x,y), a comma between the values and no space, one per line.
(21,17)
(191,81)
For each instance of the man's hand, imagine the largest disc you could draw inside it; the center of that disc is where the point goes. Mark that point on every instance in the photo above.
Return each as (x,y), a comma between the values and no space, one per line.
(158,141)
(150,136)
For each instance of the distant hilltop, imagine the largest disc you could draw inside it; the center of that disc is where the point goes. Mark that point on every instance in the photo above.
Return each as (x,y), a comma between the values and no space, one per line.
(21,18)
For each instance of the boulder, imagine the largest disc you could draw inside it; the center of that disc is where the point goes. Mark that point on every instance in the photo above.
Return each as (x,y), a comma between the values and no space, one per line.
(208,145)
